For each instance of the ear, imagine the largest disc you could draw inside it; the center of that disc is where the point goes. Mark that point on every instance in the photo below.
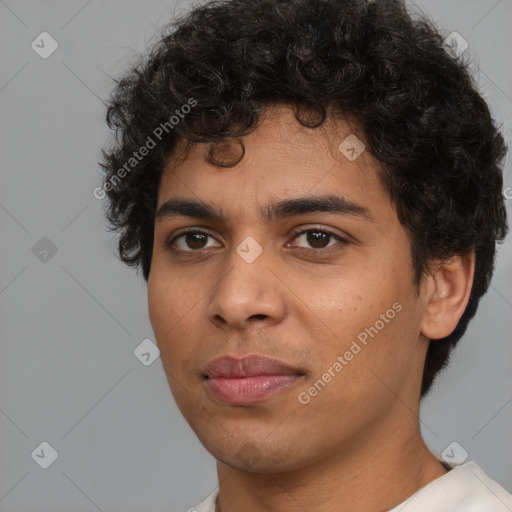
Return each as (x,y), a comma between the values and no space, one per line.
(446,292)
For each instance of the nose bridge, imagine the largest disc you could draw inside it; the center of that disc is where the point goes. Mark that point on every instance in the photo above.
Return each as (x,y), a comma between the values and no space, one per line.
(246,290)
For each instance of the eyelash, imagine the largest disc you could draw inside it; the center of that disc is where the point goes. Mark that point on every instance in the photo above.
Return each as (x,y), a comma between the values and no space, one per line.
(170,244)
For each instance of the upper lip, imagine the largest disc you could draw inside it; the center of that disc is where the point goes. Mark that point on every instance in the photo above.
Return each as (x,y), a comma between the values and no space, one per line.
(248,366)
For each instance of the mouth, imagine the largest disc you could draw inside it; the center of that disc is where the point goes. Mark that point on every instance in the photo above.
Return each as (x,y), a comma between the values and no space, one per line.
(249,379)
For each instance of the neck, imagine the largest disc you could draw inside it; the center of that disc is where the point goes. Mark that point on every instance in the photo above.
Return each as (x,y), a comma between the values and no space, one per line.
(377,476)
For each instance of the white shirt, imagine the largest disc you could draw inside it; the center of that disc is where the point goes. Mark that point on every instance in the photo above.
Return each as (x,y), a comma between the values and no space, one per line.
(465,488)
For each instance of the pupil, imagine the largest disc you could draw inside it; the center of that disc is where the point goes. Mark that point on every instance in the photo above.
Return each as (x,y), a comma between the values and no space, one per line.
(192,238)
(317,236)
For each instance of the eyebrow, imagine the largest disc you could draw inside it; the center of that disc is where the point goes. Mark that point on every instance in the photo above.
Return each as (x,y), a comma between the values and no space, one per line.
(270,213)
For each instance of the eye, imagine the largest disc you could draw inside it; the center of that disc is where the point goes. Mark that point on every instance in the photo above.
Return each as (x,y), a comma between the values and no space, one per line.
(193,239)
(318,239)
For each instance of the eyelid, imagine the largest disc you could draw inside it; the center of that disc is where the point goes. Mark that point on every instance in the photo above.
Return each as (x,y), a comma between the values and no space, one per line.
(304,229)
(343,240)
(202,231)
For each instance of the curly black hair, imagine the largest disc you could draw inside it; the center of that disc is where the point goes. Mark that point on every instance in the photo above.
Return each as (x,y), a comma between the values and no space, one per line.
(213,71)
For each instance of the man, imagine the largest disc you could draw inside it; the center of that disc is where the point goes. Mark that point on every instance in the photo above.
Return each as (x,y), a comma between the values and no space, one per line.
(313,190)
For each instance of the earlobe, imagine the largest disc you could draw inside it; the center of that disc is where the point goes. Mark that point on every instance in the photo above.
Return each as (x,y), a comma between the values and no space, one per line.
(446,292)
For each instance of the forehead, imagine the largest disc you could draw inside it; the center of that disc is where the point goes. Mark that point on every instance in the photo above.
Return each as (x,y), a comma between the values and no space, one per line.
(282,159)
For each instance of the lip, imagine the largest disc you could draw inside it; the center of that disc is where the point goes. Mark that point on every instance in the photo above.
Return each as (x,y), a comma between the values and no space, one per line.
(249,379)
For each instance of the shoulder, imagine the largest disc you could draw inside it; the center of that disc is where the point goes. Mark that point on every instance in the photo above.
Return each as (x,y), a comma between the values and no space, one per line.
(467,488)
(207,505)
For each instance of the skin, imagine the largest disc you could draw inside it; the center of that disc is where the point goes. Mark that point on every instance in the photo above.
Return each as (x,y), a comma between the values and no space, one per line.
(356,445)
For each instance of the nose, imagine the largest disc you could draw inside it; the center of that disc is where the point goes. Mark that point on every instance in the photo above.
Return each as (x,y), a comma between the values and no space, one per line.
(247,294)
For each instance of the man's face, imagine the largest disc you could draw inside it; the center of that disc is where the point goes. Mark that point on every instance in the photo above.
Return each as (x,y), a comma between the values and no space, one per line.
(341,312)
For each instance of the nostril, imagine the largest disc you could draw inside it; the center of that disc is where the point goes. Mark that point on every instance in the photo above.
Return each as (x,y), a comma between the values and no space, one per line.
(259,317)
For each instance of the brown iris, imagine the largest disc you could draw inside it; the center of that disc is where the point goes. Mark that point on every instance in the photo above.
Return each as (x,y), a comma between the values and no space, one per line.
(315,237)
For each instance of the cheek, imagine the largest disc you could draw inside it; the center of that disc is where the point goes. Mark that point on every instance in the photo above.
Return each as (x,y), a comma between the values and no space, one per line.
(173,307)
(389,355)
(375,332)
(343,306)
(166,312)
(168,300)
(159,307)
(367,379)
(166,328)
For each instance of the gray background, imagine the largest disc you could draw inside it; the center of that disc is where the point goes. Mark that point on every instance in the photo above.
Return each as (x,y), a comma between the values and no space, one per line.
(70,325)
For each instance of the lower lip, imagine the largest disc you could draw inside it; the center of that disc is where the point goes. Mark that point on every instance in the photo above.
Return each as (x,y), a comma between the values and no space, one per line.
(249,389)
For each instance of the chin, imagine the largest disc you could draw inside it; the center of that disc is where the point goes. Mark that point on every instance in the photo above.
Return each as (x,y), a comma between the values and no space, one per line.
(256,456)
